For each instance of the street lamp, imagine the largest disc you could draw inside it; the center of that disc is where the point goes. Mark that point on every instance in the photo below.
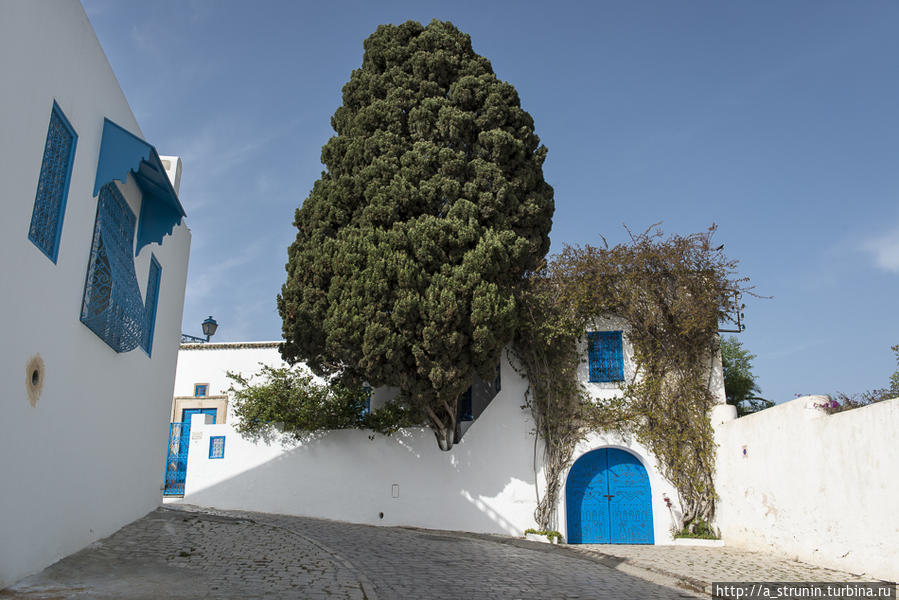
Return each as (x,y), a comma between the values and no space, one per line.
(209,327)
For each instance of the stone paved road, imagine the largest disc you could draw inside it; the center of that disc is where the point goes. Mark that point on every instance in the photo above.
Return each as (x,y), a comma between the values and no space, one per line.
(413,563)
(180,554)
(698,567)
(186,552)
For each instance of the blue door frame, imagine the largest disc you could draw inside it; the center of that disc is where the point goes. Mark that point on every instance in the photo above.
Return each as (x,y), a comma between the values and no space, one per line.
(608,499)
(176,457)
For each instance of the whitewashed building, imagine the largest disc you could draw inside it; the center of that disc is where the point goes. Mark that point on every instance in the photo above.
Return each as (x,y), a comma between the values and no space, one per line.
(486,483)
(94,253)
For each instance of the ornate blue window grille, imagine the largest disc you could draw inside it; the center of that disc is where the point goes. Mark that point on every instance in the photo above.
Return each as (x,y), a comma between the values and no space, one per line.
(217,446)
(150,304)
(53,184)
(112,307)
(604,352)
(201,389)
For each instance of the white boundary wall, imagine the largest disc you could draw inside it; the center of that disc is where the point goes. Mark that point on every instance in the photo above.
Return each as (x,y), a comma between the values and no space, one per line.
(816,487)
(485,484)
(88,457)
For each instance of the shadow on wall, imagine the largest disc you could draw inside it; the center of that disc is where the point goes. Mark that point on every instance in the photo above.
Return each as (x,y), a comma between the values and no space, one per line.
(484,484)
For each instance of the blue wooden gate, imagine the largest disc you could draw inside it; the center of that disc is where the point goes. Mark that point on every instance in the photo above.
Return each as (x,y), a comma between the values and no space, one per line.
(608,499)
(176,457)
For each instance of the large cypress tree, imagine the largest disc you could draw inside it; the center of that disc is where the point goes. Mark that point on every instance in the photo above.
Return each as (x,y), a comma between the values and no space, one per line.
(431,209)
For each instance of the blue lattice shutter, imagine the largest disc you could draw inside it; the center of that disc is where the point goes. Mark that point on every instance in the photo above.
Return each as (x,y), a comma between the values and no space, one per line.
(112,307)
(53,185)
(605,356)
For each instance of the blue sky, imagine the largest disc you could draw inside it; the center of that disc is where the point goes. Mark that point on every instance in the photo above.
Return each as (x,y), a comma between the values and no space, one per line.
(778,121)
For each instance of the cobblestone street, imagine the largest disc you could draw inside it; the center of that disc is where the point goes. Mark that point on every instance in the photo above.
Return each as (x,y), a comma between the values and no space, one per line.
(186,552)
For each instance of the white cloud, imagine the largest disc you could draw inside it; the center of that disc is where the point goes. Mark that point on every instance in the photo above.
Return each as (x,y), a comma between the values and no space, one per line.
(885,250)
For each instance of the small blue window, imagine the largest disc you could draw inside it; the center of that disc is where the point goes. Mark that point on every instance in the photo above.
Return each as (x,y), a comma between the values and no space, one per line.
(217,446)
(605,356)
(465,408)
(201,389)
(150,304)
(53,185)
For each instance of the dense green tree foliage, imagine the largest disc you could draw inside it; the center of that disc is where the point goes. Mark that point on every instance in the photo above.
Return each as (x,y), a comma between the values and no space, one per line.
(430,211)
(740,385)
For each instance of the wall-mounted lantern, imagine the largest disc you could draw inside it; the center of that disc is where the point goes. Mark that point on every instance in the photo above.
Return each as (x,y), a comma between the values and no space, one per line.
(209,327)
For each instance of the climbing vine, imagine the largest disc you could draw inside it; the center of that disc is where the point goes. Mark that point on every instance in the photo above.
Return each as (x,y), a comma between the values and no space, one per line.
(673,292)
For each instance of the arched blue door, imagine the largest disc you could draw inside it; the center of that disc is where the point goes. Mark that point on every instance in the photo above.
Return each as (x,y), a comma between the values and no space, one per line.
(608,500)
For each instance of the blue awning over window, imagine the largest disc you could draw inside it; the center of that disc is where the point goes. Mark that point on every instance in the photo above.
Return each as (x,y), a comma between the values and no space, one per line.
(122,152)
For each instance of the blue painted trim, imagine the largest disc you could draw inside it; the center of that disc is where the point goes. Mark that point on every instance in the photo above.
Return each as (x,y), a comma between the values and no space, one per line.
(70,162)
(154,282)
(122,152)
(212,441)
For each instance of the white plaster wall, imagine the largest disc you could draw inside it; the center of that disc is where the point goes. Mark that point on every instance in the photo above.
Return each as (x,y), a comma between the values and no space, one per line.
(88,458)
(485,484)
(820,488)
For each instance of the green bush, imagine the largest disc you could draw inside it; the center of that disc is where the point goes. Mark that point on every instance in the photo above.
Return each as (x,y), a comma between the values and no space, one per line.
(698,530)
(553,536)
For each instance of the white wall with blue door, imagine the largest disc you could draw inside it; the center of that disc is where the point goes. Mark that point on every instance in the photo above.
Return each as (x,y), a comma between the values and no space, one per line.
(90,324)
(609,363)
(486,483)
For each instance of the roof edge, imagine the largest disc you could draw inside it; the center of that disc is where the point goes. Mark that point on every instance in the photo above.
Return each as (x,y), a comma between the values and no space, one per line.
(229,345)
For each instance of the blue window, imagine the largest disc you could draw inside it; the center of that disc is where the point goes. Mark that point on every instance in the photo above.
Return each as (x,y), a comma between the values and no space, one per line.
(150,304)
(53,185)
(465,407)
(217,446)
(366,407)
(112,306)
(605,356)
(201,389)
